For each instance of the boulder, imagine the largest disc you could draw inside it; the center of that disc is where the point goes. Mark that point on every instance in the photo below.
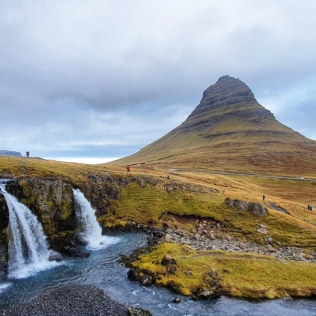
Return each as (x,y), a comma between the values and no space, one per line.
(256,208)
(133,274)
(74,252)
(55,256)
(167,259)
(259,209)
(205,294)
(146,280)
(81,239)
(142,183)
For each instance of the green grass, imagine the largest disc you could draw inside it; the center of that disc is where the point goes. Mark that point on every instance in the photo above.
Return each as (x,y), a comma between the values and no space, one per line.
(243,275)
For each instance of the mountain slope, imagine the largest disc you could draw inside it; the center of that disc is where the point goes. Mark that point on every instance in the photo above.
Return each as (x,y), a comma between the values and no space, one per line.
(229,130)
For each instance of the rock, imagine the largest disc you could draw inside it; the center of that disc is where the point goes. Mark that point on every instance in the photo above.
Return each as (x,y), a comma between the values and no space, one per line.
(142,183)
(133,274)
(259,209)
(146,280)
(171,268)
(169,188)
(176,300)
(168,238)
(135,311)
(167,259)
(165,225)
(256,208)
(211,236)
(268,239)
(262,230)
(55,256)
(81,239)
(74,252)
(205,294)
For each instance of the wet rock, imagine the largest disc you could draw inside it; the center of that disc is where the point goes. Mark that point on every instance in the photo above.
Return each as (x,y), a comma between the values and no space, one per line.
(133,274)
(81,239)
(204,294)
(55,256)
(146,280)
(176,300)
(74,252)
(135,311)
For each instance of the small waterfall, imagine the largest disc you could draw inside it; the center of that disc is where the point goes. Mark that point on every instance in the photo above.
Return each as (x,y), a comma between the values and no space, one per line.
(88,223)
(27,249)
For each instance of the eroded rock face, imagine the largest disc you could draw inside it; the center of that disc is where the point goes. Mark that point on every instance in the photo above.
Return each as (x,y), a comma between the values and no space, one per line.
(4,222)
(51,200)
(256,208)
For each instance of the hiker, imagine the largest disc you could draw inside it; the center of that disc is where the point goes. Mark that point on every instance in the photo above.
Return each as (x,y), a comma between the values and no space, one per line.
(263,198)
(128,169)
(27,154)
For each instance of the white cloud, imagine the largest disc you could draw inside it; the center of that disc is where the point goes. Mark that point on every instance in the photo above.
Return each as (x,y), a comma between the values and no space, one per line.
(107,77)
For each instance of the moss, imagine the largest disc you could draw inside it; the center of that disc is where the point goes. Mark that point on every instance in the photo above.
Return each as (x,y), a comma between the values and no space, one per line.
(242,275)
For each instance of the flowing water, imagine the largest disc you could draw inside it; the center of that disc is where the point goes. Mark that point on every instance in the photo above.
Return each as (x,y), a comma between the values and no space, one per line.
(27,250)
(103,269)
(88,223)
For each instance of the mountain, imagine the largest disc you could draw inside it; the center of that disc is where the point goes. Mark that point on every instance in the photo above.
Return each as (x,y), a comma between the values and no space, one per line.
(230,131)
(9,153)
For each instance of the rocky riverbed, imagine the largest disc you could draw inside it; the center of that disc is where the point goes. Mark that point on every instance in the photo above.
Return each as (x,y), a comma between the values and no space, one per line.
(208,235)
(70,300)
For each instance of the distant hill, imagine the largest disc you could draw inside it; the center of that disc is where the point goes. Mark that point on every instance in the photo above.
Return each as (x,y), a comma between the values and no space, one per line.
(9,153)
(230,131)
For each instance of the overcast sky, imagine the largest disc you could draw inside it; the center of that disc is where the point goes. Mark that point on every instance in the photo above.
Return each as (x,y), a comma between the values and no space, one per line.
(102,79)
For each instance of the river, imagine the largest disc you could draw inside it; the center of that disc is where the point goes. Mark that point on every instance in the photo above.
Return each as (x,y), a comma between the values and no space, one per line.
(103,269)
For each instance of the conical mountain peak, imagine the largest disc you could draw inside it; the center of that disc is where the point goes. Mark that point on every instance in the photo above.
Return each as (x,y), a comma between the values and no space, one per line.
(230,130)
(228,93)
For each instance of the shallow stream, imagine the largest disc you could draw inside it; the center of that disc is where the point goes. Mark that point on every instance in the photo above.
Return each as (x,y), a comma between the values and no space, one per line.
(103,269)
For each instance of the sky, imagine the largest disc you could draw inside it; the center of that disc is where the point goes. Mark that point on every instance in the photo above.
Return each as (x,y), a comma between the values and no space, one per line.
(95,80)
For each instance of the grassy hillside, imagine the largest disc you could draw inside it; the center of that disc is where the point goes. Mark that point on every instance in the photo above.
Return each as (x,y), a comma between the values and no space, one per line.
(230,130)
(200,194)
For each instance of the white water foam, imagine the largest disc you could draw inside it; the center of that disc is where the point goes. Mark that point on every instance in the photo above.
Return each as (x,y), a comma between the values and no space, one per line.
(27,249)
(4,286)
(89,225)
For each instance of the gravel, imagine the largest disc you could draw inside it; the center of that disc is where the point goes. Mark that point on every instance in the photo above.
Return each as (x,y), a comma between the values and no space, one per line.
(70,300)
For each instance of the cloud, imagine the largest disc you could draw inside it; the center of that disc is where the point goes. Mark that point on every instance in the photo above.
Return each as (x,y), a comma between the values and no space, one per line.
(110,77)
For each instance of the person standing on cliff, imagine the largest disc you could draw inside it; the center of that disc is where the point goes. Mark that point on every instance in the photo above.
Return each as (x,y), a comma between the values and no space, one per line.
(27,154)
(128,169)
(263,198)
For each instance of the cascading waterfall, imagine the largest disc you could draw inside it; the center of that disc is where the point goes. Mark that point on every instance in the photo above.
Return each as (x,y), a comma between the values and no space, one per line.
(27,249)
(88,223)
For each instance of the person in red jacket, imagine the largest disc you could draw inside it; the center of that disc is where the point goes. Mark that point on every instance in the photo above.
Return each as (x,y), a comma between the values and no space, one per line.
(27,154)
(128,169)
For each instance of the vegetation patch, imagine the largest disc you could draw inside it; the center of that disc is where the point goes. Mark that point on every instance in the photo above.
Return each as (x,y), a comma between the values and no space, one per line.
(240,275)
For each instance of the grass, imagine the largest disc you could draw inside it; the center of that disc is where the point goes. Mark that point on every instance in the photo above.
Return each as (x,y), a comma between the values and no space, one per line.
(242,275)
(248,276)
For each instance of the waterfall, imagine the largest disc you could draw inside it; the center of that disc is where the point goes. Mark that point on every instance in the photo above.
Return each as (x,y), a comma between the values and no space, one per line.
(88,223)
(27,249)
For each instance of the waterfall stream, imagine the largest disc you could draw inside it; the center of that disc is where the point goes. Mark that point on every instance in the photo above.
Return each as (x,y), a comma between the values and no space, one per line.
(28,250)
(89,225)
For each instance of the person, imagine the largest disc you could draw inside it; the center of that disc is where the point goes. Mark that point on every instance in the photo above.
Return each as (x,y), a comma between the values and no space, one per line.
(27,154)
(263,198)
(128,169)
